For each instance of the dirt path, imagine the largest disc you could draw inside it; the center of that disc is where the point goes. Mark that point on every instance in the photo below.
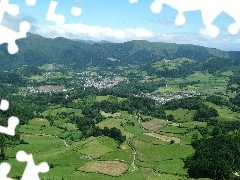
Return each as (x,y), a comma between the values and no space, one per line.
(134,151)
(65,143)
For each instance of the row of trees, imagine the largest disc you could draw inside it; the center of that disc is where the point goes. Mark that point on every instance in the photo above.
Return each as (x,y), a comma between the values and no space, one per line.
(133,105)
(124,89)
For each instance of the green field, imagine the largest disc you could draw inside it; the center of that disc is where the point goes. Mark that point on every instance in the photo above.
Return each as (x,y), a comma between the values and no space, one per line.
(155,159)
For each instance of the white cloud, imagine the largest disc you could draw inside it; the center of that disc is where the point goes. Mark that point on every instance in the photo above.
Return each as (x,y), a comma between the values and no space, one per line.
(97,33)
(203,32)
(133,1)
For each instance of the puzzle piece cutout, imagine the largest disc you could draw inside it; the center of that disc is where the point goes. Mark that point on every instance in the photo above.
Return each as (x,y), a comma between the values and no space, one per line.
(51,16)
(12,121)
(59,19)
(4,105)
(210,10)
(31,171)
(4,170)
(7,35)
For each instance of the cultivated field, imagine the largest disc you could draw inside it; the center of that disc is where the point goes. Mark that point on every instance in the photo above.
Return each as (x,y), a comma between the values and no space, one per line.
(154,125)
(112,168)
(164,138)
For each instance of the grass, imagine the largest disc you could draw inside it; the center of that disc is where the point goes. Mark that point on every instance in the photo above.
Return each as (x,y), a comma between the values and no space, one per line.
(29,129)
(115,122)
(39,122)
(69,126)
(53,130)
(102,157)
(207,83)
(134,130)
(224,112)
(96,176)
(110,114)
(171,166)
(154,125)
(96,147)
(171,64)
(156,159)
(49,149)
(101,98)
(163,158)
(120,155)
(164,138)
(168,129)
(181,115)
(54,110)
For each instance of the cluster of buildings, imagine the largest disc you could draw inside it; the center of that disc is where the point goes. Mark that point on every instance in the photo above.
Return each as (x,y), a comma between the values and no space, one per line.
(49,88)
(168,97)
(105,83)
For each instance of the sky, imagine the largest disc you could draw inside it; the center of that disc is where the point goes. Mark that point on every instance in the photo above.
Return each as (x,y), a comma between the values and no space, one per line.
(122,20)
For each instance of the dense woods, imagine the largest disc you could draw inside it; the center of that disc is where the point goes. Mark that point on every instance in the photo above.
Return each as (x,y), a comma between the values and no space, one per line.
(216,155)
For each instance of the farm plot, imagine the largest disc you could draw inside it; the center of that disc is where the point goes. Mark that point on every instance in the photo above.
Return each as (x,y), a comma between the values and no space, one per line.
(224,112)
(182,115)
(112,168)
(163,158)
(125,156)
(110,114)
(49,149)
(164,138)
(114,122)
(58,110)
(95,147)
(154,125)
(39,122)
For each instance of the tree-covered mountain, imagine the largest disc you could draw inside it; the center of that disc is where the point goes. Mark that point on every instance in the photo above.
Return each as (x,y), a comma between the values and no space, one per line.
(37,50)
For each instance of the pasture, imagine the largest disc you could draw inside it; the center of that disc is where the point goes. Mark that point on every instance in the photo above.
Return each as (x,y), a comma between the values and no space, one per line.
(112,168)
(102,157)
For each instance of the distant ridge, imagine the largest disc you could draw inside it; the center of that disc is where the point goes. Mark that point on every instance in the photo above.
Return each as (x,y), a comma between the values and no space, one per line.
(37,50)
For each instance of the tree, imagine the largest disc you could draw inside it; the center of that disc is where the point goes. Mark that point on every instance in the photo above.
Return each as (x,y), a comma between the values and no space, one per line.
(205,112)
(170,117)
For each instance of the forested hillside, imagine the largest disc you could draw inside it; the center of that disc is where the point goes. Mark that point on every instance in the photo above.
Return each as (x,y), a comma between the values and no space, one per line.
(36,50)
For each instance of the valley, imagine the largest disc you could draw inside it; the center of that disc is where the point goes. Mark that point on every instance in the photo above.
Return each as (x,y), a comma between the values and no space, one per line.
(123,112)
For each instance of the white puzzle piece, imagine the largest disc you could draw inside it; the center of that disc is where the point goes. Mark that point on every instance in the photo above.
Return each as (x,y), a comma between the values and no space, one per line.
(31,171)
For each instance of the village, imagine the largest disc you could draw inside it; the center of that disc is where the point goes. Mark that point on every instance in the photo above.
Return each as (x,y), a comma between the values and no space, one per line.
(168,97)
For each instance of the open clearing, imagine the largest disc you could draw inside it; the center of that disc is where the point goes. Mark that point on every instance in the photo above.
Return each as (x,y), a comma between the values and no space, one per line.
(112,168)
(110,114)
(110,123)
(164,138)
(154,125)
(39,122)
(95,147)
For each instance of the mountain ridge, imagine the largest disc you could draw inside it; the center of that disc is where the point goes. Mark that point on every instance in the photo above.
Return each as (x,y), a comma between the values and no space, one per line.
(37,50)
